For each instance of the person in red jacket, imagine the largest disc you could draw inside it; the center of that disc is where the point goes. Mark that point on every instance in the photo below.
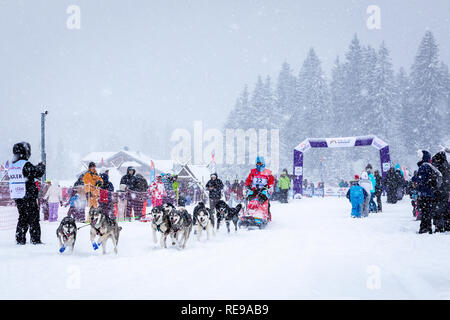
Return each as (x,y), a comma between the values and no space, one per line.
(259,178)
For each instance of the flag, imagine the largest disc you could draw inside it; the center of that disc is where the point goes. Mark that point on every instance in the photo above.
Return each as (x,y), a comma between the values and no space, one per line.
(152,172)
(2,168)
(102,163)
(213,163)
(7,164)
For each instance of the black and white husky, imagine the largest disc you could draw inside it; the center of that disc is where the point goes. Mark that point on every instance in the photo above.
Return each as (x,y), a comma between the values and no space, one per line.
(160,223)
(67,234)
(104,227)
(180,226)
(204,219)
(227,213)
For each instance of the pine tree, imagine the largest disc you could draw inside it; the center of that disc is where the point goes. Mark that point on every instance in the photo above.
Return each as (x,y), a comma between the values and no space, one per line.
(338,99)
(314,113)
(428,99)
(354,68)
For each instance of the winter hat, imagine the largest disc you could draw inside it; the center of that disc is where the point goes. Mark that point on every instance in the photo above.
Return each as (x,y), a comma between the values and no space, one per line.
(21,150)
(91,164)
(424,155)
(356,177)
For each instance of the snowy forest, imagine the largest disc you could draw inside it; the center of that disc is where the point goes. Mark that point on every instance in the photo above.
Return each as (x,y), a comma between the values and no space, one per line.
(366,94)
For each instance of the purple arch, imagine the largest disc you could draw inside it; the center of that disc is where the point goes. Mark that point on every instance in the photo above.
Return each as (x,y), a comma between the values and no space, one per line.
(346,142)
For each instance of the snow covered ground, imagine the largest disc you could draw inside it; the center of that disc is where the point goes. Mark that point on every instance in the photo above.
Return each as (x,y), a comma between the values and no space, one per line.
(311,250)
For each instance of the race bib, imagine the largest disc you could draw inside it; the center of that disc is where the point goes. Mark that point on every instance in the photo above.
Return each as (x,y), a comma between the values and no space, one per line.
(17,181)
(259,182)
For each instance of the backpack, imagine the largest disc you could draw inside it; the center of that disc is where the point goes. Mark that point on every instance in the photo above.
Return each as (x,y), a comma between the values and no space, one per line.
(436,179)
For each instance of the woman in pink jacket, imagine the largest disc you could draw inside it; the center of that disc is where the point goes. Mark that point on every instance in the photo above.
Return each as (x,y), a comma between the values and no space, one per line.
(157,191)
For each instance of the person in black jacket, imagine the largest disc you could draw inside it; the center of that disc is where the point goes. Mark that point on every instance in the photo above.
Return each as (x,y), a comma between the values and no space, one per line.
(441,217)
(214,186)
(24,191)
(105,202)
(126,183)
(391,184)
(138,190)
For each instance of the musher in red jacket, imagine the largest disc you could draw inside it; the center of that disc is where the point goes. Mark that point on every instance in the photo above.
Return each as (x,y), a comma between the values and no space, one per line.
(261,179)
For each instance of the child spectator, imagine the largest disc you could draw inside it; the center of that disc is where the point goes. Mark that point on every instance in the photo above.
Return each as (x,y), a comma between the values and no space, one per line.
(356,194)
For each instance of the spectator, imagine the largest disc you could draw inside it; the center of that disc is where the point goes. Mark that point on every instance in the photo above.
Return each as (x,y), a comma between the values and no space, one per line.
(372,205)
(391,184)
(413,194)
(214,186)
(284,185)
(365,182)
(378,189)
(138,191)
(42,200)
(92,182)
(356,195)
(105,200)
(441,199)
(236,194)
(157,192)
(169,196)
(426,191)
(74,205)
(54,199)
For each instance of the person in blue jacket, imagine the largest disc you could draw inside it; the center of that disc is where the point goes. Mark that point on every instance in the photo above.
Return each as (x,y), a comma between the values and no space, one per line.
(372,204)
(356,195)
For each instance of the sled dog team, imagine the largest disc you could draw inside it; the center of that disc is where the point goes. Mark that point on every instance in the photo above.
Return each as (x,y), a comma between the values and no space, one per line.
(166,220)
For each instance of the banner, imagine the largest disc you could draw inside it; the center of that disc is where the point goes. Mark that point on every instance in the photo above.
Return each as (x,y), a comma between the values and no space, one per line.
(341,142)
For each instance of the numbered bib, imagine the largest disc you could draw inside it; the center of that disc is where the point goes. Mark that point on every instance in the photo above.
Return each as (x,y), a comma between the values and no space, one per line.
(17,181)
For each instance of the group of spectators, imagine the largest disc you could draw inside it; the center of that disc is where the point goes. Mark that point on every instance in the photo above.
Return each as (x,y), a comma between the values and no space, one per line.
(364,189)
(429,189)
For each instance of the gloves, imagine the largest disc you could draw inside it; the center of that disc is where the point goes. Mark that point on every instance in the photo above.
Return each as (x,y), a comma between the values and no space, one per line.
(62,249)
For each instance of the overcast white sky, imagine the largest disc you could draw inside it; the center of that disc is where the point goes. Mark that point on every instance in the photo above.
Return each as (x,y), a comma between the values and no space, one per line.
(136,65)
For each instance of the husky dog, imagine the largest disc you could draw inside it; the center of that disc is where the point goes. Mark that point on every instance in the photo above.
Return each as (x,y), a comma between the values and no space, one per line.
(180,226)
(204,218)
(104,227)
(227,213)
(67,234)
(161,223)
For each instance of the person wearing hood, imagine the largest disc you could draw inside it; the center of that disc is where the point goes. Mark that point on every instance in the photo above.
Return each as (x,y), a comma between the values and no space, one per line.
(356,195)
(138,191)
(126,183)
(425,191)
(284,184)
(214,186)
(105,200)
(441,218)
(260,180)
(23,189)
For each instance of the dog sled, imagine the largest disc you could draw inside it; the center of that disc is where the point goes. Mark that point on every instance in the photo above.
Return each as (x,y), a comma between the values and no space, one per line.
(256,213)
